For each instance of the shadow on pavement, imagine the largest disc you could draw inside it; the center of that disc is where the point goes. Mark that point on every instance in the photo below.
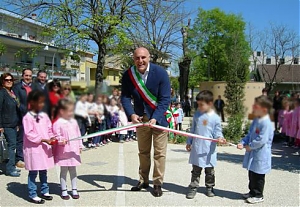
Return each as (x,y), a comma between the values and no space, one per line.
(170,187)
(283,158)
(20,189)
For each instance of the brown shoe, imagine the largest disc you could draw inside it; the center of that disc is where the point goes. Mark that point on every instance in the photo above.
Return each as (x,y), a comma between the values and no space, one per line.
(157,192)
(20,164)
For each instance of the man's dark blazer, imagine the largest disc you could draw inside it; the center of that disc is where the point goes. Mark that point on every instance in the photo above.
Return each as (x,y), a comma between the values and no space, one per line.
(158,83)
(37,86)
(21,94)
(222,104)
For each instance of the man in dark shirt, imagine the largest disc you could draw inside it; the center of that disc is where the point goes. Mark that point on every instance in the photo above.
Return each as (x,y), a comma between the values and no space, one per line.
(219,106)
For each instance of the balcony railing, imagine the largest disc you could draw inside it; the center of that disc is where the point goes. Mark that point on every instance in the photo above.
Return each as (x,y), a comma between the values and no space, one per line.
(27,37)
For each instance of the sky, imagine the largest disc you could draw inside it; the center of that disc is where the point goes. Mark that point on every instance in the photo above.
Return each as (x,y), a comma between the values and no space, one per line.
(260,13)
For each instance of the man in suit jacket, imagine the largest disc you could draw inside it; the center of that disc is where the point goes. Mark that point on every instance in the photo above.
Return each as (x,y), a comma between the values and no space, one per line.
(21,90)
(146,109)
(41,85)
(219,106)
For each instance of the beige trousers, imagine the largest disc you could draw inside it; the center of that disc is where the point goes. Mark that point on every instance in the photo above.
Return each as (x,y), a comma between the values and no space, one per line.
(145,136)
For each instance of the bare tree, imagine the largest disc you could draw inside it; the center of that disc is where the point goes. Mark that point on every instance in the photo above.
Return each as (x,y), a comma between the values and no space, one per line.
(158,27)
(279,43)
(184,64)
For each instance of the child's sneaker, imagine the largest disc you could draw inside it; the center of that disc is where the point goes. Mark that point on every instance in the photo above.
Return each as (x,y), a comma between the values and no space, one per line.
(254,200)
(104,142)
(191,193)
(210,192)
(127,140)
(90,145)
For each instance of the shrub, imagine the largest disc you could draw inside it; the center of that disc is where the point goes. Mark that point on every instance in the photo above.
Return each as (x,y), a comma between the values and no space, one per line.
(233,132)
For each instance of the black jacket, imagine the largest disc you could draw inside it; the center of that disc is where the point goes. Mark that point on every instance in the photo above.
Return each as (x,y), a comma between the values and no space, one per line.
(9,110)
(222,104)
(21,94)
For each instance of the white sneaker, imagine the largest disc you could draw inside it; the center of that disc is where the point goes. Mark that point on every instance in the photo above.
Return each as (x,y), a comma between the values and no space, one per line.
(254,200)
(90,145)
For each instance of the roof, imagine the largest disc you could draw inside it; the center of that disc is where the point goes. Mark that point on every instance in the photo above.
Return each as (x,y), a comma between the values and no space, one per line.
(286,73)
(18,16)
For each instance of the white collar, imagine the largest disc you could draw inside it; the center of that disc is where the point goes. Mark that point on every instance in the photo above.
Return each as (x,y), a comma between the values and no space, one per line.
(263,118)
(210,113)
(147,70)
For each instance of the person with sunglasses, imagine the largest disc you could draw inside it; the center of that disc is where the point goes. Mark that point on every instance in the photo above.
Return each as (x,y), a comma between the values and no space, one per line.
(68,93)
(9,121)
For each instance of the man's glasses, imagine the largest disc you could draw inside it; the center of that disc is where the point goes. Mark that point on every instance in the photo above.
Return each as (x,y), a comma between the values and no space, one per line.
(8,80)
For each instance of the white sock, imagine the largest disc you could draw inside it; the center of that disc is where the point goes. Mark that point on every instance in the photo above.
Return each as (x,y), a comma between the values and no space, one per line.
(36,198)
(63,182)
(73,176)
(46,194)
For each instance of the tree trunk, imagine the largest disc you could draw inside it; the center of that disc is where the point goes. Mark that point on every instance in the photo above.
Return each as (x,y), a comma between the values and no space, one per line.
(100,68)
(184,67)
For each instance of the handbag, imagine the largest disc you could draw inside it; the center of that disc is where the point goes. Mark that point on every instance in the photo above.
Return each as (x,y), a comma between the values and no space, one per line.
(3,148)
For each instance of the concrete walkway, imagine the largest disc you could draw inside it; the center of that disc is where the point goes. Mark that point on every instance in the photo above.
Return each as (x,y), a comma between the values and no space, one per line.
(107,174)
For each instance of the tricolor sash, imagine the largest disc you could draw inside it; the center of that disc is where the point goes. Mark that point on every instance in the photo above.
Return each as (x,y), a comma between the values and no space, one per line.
(148,97)
(139,84)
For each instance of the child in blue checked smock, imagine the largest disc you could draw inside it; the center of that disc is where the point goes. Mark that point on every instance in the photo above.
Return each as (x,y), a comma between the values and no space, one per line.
(258,144)
(203,152)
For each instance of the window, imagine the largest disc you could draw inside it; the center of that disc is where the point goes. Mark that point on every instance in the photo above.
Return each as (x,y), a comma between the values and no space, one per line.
(115,76)
(296,61)
(258,53)
(268,61)
(281,60)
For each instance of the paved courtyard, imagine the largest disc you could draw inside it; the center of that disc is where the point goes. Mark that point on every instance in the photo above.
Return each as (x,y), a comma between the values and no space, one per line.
(107,174)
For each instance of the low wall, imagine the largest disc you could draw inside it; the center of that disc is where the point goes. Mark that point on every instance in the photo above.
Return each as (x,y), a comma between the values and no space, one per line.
(252,90)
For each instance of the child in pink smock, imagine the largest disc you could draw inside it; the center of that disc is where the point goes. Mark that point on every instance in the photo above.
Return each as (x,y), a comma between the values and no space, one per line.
(294,126)
(67,153)
(38,137)
(297,140)
(288,123)
(281,115)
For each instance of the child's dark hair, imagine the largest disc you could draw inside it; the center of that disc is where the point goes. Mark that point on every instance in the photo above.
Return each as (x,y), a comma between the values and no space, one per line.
(206,96)
(62,105)
(264,102)
(35,95)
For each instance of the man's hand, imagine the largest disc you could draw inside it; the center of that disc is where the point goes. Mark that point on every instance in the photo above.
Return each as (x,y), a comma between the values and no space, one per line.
(222,140)
(188,147)
(240,146)
(248,149)
(152,121)
(1,130)
(135,119)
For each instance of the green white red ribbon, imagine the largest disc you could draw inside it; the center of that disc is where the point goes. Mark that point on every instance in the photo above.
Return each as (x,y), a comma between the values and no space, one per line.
(171,115)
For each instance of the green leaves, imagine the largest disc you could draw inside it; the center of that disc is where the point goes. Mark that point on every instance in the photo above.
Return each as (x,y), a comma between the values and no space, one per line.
(218,36)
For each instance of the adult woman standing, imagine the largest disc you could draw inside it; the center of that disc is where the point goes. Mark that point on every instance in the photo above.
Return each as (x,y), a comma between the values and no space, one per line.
(68,93)
(9,120)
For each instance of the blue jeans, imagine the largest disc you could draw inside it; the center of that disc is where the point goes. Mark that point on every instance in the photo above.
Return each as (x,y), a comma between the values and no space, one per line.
(82,124)
(19,147)
(32,188)
(11,138)
(122,137)
(101,127)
